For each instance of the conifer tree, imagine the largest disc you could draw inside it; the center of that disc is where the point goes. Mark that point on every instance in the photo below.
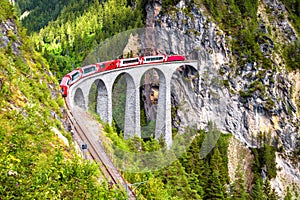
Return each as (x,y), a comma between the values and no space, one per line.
(217,164)
(177,182)
(214,189)
(195,184)
(269,192)
(257,190)
(238,190)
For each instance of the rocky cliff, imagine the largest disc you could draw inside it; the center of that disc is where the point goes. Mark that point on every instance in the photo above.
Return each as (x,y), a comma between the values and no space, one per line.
(247,100)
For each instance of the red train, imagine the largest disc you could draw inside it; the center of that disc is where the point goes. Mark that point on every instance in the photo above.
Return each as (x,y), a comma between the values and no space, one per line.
(77,74)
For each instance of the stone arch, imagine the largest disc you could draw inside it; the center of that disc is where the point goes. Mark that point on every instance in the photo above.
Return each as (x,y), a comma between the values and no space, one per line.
(185,91)
(149,90)
(188,69)
(132,114)
(99,93)
(162,127)
(79,98)
(188,72)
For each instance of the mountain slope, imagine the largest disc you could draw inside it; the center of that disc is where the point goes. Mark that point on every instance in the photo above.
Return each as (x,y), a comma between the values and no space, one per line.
(38,13)
(34,162)
(81,27)
(247,84)
(248,54)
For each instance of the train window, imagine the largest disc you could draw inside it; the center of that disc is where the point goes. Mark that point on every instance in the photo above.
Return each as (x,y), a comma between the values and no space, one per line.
(157,58)
(102,66)
(153,59)
(89,70)
(130,61)
(75,76)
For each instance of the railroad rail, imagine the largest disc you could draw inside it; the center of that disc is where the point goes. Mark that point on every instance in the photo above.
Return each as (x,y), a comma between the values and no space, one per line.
(97,153)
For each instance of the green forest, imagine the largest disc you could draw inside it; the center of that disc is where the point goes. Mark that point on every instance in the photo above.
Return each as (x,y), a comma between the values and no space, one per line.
(55,38)
(192,176)
(82,25)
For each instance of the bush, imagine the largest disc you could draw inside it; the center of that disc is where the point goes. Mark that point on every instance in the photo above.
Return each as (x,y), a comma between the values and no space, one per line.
(291,55)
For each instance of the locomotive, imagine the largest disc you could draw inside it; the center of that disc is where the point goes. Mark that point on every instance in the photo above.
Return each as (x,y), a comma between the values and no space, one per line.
(82,72)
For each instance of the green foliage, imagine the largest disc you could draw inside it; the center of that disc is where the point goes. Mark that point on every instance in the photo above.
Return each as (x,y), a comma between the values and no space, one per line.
(34,163)
(230,13)
(292,55)
(81,27)
(167,4)
(293,7)
(6,10)
(41,12)
(190,177)
(265,157)
(269,192)
(211,170)
(215,191)
(239,19)
(238,189)
(118,102)
(93,94)
(257,190)
(176,182)
(288,195)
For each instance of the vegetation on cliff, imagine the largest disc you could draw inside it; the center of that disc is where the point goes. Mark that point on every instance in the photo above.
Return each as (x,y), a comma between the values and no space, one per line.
(192,176)
(81,26)
(34,162)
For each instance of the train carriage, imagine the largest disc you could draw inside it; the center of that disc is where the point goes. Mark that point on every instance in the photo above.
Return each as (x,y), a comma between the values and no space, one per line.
(173,58)
(154,59)
(90,69)
(74,76)
(129,62)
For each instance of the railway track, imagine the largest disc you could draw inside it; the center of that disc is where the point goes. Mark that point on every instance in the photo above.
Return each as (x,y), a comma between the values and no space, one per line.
(97,153)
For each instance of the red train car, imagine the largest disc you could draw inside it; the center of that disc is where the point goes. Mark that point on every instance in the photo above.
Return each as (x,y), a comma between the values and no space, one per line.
(64,85)
(175,58)
(74,76)
(130,62)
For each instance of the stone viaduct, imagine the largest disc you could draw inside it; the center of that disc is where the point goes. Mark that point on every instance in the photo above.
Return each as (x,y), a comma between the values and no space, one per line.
(79,94)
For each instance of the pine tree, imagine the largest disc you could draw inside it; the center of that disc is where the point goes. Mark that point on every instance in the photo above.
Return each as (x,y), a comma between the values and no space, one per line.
(238,190)
(214,188)
(217,164)
(177,182)
(268,158)
(269,192)
(257,190)
(195,184)
(194,165)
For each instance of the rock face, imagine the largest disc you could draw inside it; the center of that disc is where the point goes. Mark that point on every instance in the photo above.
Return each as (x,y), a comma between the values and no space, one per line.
(8,30)
(220,94)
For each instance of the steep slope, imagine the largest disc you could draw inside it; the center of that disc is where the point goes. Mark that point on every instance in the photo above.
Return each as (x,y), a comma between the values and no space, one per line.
(245,85)
(38,13)
(81,27)
(34,162)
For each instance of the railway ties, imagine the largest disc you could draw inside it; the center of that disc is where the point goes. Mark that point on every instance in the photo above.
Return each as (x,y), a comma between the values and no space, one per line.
(87,131)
